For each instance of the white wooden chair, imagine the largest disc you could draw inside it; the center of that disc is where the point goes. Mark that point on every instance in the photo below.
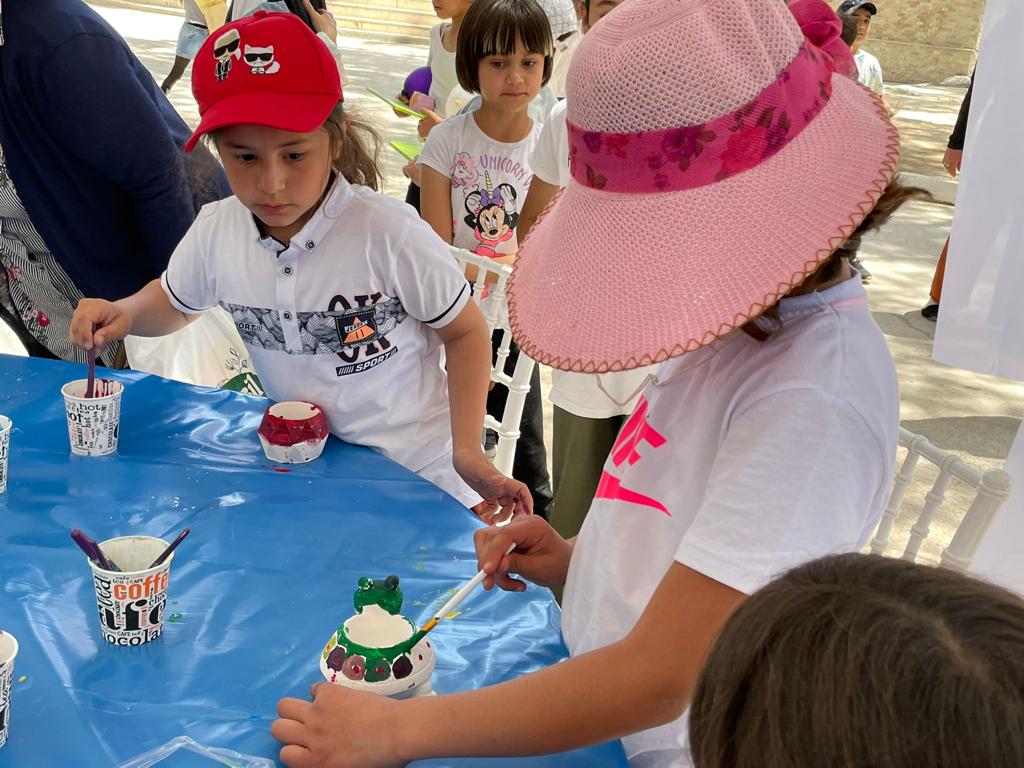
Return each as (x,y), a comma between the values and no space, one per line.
(993,488)
(493,277)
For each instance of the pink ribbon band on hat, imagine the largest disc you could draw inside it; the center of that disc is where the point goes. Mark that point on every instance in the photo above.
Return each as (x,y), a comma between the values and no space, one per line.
(689,157)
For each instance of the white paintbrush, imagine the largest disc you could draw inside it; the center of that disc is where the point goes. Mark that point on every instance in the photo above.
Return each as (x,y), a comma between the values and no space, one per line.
(457,598)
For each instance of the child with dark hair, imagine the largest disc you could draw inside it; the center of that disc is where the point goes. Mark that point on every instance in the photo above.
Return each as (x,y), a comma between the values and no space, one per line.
(475,171)
(860,660)
(343,297)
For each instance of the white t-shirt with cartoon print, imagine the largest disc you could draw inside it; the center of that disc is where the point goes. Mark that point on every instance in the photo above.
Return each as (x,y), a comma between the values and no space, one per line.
(341,316)
(745,459)
(489,181)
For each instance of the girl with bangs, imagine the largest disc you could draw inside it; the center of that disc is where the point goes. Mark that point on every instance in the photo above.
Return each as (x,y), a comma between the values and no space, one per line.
(476,171)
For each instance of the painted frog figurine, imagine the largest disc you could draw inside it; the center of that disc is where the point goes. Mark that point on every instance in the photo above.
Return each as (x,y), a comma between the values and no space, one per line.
(378,649)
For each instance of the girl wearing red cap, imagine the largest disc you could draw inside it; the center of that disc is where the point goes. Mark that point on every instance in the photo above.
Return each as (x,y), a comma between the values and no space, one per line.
(701,229)
(343,297)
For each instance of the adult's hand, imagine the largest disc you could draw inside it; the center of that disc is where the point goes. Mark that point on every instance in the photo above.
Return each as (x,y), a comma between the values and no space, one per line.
(951,160)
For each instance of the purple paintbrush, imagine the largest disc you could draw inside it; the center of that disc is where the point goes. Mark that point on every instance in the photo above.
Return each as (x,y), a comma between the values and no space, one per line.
(92,551)
(91,383)
(170,548)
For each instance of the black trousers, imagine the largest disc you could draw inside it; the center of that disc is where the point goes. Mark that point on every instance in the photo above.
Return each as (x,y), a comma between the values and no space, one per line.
(412,196)
(531,462)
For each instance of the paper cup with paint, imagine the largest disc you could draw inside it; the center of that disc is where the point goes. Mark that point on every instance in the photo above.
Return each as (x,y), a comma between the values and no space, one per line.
(93,422)
(8,650)
(131,602)
(293,432)
(379,650)
(5,450)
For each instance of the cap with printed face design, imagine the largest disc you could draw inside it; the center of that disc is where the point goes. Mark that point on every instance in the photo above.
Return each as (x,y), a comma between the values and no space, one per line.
(267,69)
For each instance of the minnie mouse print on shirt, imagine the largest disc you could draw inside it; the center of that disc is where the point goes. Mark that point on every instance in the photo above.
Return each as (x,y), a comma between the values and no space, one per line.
(489,181)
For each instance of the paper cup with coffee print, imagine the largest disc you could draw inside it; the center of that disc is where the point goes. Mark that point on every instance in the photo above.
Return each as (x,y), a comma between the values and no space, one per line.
(8,650)
(93,422)
(131,603)
(5,450)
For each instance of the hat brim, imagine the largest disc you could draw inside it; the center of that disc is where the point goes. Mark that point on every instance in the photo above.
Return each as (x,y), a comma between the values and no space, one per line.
(297,112)
(612,281)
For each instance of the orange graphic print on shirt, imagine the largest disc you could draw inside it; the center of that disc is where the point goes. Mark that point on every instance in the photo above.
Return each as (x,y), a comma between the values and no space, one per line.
(625,451)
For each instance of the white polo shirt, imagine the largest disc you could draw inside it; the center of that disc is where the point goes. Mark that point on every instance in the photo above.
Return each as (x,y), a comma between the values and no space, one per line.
(339,317)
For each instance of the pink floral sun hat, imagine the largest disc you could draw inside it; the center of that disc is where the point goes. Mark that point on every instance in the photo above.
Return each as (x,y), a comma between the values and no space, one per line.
(716,161)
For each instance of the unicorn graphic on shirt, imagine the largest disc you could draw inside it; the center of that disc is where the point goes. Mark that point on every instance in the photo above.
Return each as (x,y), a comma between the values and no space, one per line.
(464,171)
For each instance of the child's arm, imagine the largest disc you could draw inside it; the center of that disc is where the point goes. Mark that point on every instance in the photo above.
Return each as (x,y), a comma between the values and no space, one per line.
(467,347)
(146,313)
(537,198)
(436,202)
(426,125)
(644,680)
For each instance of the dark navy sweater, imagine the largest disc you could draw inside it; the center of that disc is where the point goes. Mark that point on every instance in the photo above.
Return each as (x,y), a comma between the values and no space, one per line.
(93,147)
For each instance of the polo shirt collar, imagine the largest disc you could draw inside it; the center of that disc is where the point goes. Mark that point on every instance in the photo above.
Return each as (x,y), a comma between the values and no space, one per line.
(319,224)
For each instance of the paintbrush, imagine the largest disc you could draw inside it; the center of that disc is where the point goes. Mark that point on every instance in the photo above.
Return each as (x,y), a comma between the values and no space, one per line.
(457,598)
(170,548)
(91,383)
(92,551)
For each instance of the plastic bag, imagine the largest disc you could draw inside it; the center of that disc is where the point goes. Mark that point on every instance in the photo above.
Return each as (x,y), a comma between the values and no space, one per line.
(207,352)
(216,754)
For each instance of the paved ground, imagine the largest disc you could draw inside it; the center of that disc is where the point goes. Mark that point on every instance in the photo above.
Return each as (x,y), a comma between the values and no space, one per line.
(976,416)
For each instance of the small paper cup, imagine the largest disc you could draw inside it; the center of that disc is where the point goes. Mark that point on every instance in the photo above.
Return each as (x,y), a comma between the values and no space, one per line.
(5,450)
(293,432)
(8,650)
(93,423)
(132,603)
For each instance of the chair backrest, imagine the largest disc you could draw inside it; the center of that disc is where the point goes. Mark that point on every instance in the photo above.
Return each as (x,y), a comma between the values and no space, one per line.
(993,488)
(490,283)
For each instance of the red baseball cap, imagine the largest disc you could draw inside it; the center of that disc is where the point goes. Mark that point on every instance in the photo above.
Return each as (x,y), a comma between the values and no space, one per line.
(266,69)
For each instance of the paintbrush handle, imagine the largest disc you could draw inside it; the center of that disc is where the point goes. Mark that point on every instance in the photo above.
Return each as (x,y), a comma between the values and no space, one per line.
(170,548)
(90,386)
(459,596)
(92,551)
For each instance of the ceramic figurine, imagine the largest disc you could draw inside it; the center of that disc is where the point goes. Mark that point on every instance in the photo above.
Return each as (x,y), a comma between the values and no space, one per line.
(378,649)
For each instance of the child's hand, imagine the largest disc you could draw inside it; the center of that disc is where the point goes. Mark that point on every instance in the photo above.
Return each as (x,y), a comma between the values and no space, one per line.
(412,171)
(111,322)
(541,555)
(405,100)
(330,731)
(512,496)
(431,118)
(322,21)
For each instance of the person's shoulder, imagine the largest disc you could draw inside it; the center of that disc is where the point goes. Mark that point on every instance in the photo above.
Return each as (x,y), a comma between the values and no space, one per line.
(44,25)
(223,215)
(449,131)
(869,58)
(379,212)
(436,31)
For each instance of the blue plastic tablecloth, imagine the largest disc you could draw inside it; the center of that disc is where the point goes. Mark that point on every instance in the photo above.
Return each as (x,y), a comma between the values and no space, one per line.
(267,574)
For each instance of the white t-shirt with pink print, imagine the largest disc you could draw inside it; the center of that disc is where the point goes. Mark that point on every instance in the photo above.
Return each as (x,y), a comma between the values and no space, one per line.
(489,181)
(743,460)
